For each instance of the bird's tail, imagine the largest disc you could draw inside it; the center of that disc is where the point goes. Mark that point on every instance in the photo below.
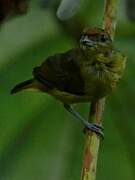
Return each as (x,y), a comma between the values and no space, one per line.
(24,85)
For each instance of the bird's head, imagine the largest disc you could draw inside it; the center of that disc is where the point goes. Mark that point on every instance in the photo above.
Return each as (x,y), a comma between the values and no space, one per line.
(95,38)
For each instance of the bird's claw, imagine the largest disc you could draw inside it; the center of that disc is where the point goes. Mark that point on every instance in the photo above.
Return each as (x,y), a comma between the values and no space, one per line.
(99,126)
(94,128)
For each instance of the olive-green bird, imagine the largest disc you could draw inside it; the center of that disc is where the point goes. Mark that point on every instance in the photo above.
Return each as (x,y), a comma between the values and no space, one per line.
(82,74)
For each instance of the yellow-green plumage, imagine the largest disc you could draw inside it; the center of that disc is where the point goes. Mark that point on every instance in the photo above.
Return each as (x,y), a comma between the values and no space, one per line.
(83,74)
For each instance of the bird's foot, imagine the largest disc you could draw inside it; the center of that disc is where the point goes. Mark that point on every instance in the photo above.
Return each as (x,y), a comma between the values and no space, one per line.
(89,127)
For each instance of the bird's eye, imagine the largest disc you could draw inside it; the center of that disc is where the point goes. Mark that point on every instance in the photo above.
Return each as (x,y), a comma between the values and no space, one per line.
(103,38)
(110,64)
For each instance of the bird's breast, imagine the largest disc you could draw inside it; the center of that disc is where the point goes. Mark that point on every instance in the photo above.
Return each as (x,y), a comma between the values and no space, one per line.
(99,80)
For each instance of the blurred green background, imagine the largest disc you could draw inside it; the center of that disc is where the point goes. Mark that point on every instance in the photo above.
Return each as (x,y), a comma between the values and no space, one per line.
(39,140)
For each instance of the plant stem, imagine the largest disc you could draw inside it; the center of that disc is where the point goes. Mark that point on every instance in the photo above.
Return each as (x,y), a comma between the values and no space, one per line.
(92,142)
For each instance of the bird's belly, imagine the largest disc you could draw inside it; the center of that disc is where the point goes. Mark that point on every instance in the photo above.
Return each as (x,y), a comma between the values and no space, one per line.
(98,89)
(69,98)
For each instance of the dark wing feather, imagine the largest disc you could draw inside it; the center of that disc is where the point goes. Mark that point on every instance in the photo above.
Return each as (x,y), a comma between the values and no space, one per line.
(61,72)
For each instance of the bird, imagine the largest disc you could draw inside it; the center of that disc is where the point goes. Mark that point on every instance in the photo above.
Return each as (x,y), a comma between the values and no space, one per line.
(82,74)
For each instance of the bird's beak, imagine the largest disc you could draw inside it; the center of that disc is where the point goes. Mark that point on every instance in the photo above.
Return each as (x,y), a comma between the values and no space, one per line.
(86,41)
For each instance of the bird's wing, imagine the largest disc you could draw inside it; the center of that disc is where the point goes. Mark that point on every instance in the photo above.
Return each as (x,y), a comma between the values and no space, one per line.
(61,72)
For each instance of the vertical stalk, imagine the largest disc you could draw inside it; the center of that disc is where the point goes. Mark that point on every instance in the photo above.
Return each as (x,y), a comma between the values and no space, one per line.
(92,142)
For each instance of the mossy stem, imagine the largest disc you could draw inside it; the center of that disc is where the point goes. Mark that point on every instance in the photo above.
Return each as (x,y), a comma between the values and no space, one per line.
(92,141)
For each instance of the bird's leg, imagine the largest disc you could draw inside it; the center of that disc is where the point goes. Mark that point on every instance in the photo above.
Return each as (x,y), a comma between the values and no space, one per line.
(93,127)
